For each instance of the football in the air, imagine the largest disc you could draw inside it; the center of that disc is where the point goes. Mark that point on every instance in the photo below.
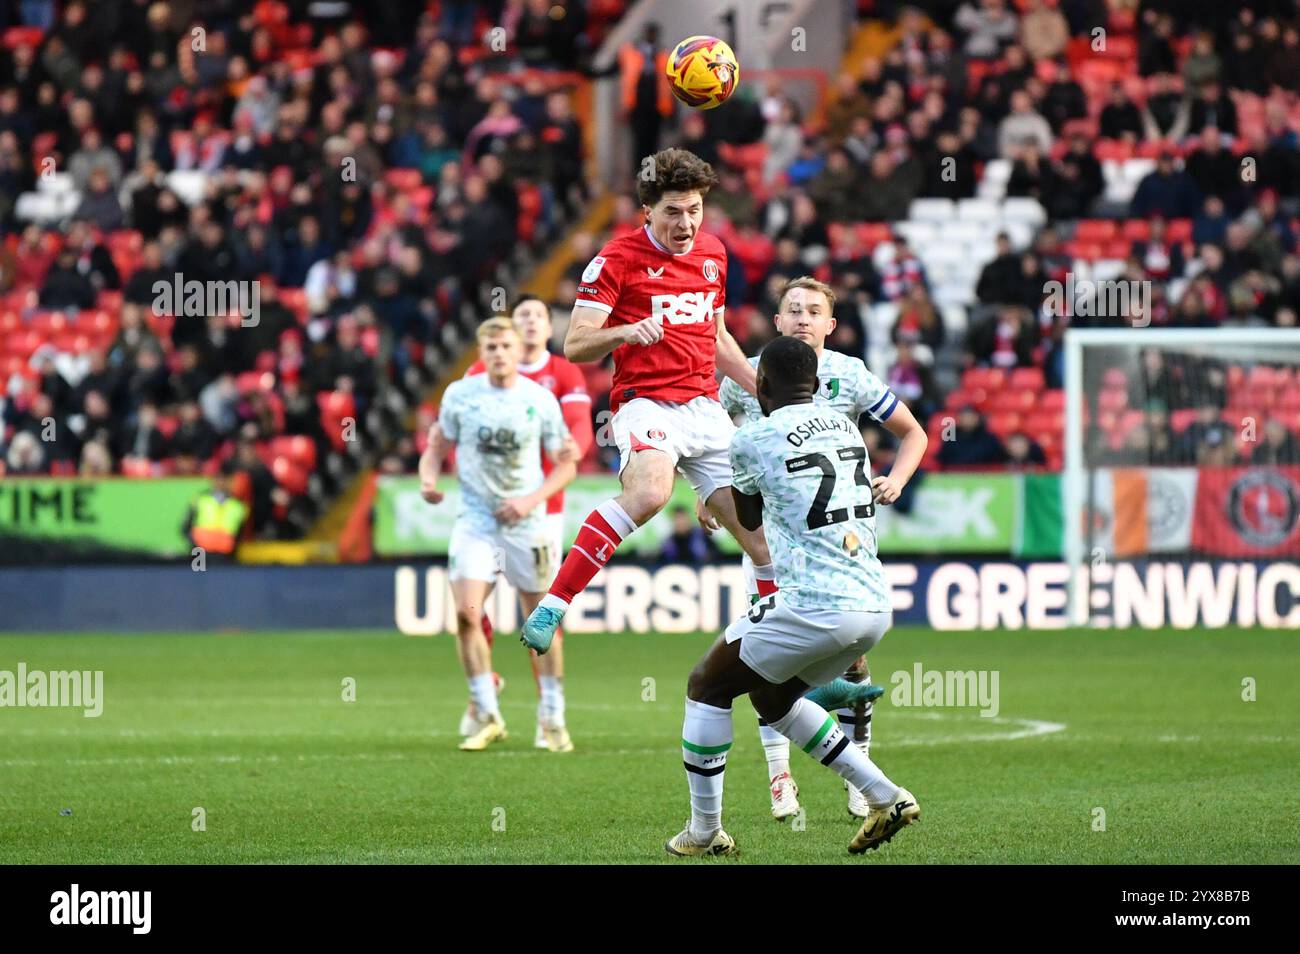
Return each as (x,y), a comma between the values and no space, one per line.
(702,71)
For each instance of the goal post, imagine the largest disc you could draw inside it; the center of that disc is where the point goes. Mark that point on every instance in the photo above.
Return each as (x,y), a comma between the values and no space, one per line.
(1180,444)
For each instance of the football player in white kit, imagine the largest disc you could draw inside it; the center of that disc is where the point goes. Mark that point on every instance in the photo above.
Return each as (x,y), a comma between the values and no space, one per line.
(845,385)
(498,422)
(801,472)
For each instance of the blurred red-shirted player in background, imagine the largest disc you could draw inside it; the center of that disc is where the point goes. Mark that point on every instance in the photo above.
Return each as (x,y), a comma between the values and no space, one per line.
(565,380)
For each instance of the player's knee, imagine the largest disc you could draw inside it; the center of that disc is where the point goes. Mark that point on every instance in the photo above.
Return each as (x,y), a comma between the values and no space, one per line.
(648,498)
(467,620)
(701,688)
(698,686)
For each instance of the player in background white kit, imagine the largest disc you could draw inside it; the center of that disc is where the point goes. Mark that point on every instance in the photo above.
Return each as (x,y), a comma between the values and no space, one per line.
(532,319)
(800,470)
(844,384)
(498,422)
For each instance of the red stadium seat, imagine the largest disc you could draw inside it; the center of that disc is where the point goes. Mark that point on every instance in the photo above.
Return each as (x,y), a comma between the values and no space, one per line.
(1011,399)
(1137,230)
(1042,422)
(1004,424)
(1052,400)
(1087,251)
(1027,379)
(289,475)
(298,448)
(1095,230)
(990,379)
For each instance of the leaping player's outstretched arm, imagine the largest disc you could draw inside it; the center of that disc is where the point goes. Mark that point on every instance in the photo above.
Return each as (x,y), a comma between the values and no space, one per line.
(589,340)
(731,360)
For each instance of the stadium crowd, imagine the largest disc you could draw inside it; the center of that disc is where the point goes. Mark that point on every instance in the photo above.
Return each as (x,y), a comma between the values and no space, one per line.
(374,168)
(1038,98)
(377,167)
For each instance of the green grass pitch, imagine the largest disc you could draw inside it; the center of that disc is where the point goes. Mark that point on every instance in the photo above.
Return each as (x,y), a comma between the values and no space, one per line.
(252,728)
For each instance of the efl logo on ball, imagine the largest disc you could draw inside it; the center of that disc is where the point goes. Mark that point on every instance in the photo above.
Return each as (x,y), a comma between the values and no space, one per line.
(702,72)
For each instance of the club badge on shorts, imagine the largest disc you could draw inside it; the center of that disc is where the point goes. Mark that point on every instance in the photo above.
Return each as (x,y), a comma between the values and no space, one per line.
(655,434)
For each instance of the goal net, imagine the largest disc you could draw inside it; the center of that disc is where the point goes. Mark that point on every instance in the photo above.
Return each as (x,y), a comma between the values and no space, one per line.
(1181,445)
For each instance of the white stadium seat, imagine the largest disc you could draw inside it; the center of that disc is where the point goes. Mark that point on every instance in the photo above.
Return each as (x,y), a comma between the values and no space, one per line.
(978,210)
(954,320)
(1024,210)
(189,185)
(57,183)
(997,170)
(931,210)
(916,233)
(1020,233)
(880,321)
(1107,269)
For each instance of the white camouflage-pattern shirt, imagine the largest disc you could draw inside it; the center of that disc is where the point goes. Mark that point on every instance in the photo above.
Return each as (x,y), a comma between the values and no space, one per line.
(499,433)
(844,383)
(810,464)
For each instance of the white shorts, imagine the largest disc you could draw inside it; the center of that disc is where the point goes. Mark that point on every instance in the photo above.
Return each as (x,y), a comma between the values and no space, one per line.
(528,558)
(696,435)
(779,642)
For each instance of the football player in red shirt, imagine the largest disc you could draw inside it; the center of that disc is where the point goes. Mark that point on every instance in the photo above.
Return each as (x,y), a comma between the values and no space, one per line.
(655,298)
(564,379)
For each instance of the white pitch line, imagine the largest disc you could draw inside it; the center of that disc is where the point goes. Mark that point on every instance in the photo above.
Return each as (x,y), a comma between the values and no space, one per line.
(1030,728)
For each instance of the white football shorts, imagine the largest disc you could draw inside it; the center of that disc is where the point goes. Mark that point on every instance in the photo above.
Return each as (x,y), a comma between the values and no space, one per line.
(780,642)
(528,557)
(696,435)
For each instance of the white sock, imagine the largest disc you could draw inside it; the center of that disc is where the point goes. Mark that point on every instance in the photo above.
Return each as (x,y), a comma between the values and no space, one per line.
(810,727)
(483,691)
(552,704)
(617,518)
(706,739)
(765,572)
(777,749)
(551,601)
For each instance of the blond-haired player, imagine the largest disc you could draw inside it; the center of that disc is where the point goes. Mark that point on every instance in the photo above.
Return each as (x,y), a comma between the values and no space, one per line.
(498,422)
(804,311)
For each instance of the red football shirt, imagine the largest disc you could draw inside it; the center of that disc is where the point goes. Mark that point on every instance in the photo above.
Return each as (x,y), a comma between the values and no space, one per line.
(633,278)
(564,379)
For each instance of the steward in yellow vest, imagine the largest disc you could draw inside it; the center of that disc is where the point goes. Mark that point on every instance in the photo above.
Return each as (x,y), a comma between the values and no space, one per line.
(217,515)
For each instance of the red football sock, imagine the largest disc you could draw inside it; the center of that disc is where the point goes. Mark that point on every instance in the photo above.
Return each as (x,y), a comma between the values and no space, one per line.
(487,629)
(766,587)
(601,533)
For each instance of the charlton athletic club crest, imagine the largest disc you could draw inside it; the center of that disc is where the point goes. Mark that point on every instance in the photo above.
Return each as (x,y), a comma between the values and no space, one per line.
(710,270)
(1262,507)
(655,434)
